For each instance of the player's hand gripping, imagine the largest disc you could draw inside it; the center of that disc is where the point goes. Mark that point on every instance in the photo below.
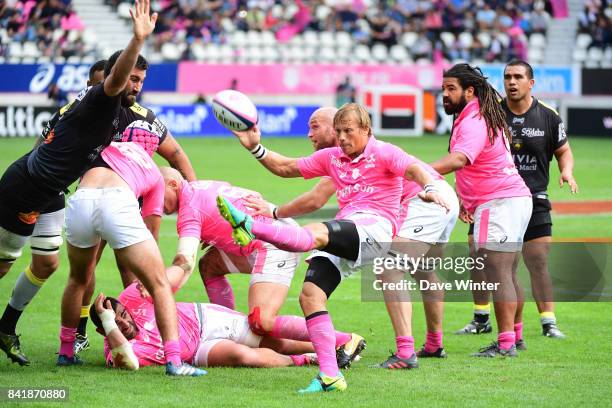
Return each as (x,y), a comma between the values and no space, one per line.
(259,206)
(142,22)
(101,305)
(249,138)
(465,216)
(435,197)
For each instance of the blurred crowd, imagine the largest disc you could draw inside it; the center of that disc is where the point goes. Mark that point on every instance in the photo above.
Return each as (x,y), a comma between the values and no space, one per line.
(595,20)
(367,21)
(46,23)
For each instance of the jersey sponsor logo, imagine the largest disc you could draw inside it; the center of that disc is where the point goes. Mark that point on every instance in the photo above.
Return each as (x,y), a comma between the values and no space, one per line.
(355,188)
(355,175)
(517,120)
(23,121)
(139,110)
(525,162)
(532,132)
(28,218)
(562,134)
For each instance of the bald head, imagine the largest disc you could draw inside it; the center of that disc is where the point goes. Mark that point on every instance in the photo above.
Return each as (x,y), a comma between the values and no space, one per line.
(171,174)
(321,128)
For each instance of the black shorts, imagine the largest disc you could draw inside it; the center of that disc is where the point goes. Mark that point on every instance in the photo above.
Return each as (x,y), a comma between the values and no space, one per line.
(22,200)
(540,223)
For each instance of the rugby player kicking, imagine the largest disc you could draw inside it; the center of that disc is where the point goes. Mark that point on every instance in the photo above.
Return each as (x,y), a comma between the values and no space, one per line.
(271,269)
(368,178)
(422,225)
(538,134)
(490,189)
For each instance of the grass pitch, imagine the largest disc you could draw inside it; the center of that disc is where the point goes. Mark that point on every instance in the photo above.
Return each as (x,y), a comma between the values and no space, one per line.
(575,371)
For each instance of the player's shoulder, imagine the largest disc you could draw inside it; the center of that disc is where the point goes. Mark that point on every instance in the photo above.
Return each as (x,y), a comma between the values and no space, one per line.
(546,109)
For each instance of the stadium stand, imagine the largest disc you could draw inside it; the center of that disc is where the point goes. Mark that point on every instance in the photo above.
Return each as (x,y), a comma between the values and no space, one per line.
(308,31)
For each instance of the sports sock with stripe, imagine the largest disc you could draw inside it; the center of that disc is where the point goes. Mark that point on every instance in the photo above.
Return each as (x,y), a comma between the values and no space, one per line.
(26,287)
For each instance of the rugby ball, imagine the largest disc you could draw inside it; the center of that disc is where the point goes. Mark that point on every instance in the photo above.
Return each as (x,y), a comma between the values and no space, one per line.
(234,110)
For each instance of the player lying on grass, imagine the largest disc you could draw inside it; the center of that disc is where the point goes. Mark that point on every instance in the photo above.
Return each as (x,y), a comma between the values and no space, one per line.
(271,269)
(422,224)
(368,178)
(210,335)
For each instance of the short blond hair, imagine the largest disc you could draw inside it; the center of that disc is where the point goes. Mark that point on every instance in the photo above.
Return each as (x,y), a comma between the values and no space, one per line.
(360,114)
(171,174)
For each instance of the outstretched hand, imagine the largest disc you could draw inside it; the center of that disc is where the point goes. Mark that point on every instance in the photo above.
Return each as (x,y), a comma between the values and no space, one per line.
(434,197)
(142,22)
(249,138)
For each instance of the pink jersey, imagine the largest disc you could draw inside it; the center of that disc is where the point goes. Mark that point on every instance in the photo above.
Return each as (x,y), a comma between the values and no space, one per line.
(199,217)
(490,173)
(147,344)
(371,183)
(410,189)
(140,172)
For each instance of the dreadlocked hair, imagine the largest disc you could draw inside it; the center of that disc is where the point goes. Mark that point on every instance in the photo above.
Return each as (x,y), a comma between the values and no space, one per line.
(490,108)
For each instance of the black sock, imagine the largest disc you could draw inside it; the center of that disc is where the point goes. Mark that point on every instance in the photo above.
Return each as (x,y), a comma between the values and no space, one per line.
(9,320)
(481,317)
(82,329)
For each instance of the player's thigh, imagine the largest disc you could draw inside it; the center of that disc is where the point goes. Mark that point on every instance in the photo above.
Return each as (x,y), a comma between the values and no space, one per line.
(144,260)
(500,224)
(216,262)
(226,353)
(273,265)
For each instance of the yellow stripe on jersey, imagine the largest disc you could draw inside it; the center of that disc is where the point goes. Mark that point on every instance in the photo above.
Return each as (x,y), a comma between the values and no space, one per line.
(139,110)
(64,108)
(548,106)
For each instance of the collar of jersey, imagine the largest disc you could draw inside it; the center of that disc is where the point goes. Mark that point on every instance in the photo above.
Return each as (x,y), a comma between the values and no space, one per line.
(366,152)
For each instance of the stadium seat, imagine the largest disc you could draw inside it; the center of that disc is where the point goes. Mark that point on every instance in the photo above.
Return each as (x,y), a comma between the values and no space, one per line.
(270,54)
(362,53)
(253,38)
(88,59)
(197,51)
(504,39)
(327,39)
(59,60)
(30,50)
(310,39)
(297,40)
(73,59)
(399,54)
(595,54)
(343,54)
(154,57)
(537,40)
(484,38)
(213,52)
(380,52)
(344,39)
(43,60)
(408,39)
(327,54)
(28,60)
(589,63)
(227,53)
(579,55)
(267,38)
(123,10)
(73,36)
(15,50)
(608,54)
(535,55)
(227,25)
(466,39)
(238,39)
(448,39)
(170,51)
(583,40)
(2,60)
(57,34)
(322,12)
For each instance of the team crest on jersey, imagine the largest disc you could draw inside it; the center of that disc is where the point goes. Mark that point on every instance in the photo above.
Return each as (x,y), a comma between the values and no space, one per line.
(355,174)
(28,218)
(517,143)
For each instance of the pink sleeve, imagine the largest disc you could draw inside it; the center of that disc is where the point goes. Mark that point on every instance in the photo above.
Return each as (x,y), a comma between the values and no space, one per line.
(314,165)
(189,222)
(470,138)
(153,200)
(397,160)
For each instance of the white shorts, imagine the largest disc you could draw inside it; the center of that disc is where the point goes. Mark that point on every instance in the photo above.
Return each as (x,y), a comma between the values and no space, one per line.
(219,323)
(269,264)
(500,224)
(111,214)
(428,222)
(47,235)
(375,235)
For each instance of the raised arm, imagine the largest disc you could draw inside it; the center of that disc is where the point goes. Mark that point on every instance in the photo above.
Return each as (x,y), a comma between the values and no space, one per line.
(143,26)
(276,163)
(303,204)
(176,157)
